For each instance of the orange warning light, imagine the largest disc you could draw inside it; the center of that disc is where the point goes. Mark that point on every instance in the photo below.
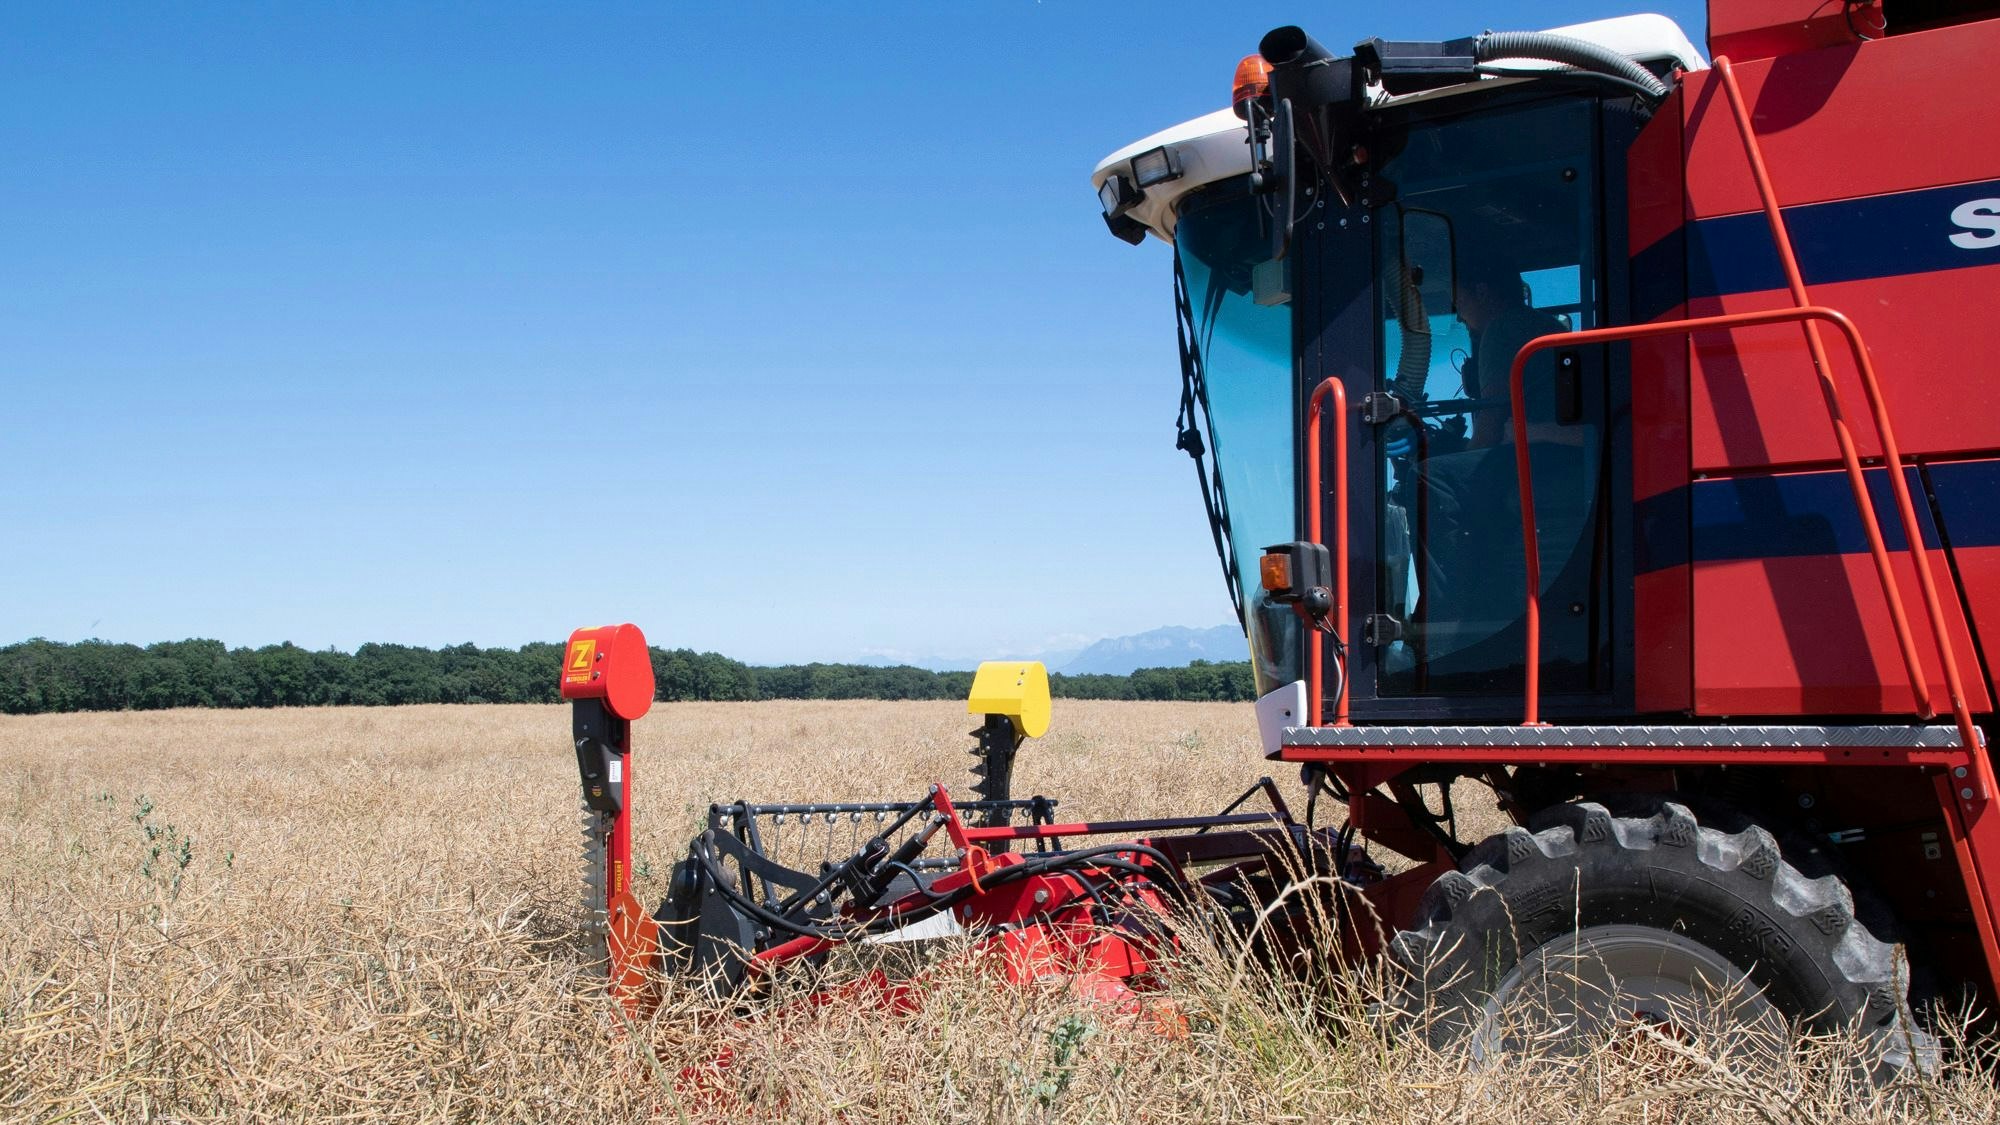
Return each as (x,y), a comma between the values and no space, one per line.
(1253,77)
(1276,571)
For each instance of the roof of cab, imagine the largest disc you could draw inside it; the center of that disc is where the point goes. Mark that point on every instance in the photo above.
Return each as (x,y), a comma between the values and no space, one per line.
(1215,146)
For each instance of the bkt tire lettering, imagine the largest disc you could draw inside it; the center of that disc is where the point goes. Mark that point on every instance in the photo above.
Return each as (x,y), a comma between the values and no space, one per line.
(1980,220)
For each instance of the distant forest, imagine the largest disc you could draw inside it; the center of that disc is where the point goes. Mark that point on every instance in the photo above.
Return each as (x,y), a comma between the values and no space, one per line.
(40,676)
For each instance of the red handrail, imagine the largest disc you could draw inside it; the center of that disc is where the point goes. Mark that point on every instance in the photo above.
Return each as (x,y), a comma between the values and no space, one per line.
(1913,663)
(1315,687)
(1808,316)
(1877,408)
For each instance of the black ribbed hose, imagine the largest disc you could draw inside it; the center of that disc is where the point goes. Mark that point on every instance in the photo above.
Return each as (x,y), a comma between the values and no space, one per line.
(1581,54)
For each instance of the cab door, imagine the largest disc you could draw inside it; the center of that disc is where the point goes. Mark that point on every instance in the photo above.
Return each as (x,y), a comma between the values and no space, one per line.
(1484,228)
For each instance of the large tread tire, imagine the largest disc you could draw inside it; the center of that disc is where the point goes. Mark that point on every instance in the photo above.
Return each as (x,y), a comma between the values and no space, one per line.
(1579,866)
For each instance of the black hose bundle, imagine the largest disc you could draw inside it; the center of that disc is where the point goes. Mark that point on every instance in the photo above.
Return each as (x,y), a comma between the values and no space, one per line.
(1580,54)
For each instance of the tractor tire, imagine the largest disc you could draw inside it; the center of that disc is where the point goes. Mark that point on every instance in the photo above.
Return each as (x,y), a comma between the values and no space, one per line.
(1587,921)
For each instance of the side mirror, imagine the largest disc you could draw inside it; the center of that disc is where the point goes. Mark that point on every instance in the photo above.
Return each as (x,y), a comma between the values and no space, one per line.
(1428,254)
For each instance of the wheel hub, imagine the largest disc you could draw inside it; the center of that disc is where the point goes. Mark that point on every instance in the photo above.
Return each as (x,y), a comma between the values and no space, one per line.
(1577,991)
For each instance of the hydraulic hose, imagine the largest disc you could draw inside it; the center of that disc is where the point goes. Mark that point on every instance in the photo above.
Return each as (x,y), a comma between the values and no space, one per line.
(1581,54)
(1413,366)
(842,931)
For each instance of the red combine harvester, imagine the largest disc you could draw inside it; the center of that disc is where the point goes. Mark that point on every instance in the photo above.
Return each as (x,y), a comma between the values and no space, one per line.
(1612,428)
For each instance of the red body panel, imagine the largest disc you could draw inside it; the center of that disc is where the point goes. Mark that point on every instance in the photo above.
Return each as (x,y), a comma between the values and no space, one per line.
(1933,337)
(1656,193)
(1837,122)
(1663,657)
(1757,29)
(1846,122)
(1663,663)
(1809,635)
(1859,119)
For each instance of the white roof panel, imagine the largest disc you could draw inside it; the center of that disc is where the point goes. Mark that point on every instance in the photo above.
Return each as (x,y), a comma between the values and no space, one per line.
(1215,146)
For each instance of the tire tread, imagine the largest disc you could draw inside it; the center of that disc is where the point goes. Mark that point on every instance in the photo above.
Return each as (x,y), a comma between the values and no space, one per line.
(1465,911)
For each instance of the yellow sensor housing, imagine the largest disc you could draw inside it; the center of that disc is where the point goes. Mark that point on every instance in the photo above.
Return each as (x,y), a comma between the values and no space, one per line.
(1018,689)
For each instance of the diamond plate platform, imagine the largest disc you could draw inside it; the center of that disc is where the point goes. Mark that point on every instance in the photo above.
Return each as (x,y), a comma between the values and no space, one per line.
(1514,737)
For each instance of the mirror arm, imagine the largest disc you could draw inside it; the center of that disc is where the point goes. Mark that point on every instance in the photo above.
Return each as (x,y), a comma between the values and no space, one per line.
(1284,178)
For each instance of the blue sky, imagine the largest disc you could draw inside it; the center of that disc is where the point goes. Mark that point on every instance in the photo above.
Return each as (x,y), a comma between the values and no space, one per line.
(786,331)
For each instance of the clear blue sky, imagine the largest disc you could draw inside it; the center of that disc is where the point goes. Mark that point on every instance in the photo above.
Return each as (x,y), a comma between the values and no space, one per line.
(789,331)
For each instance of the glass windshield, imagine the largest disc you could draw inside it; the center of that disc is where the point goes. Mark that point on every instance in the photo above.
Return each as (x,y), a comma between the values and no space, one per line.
(1242,328)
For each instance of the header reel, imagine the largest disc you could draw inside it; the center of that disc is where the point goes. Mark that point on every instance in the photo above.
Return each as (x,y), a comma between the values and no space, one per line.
(733,899)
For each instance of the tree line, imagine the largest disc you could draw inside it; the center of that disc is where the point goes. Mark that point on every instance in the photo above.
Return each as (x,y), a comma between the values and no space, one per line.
(40,676)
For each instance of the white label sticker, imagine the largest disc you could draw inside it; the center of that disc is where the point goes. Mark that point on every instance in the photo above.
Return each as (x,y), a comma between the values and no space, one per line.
(617,771)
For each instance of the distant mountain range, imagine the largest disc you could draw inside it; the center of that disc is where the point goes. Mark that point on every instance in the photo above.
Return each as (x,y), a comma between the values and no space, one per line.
(1168,647)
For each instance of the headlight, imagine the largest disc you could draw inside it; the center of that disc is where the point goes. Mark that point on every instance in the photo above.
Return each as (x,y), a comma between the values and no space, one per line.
(1155,166)
(1117,195)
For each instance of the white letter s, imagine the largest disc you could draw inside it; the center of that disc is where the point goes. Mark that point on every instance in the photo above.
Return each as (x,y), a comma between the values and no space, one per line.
(1981,220)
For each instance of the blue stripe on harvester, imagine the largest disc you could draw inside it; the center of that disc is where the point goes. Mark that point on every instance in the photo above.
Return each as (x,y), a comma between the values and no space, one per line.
(1788,515)
(1870,236)
(1791,514)
(1968,499)
(1660,531)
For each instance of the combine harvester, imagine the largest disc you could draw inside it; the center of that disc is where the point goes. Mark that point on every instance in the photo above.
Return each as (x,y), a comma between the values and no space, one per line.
(1540,358)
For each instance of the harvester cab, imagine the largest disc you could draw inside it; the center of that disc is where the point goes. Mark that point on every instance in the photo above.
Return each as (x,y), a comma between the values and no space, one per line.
(1395,220)
(1518,365)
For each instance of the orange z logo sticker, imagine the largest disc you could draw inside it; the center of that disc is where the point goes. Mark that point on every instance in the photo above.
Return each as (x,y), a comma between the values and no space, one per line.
(576,669)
